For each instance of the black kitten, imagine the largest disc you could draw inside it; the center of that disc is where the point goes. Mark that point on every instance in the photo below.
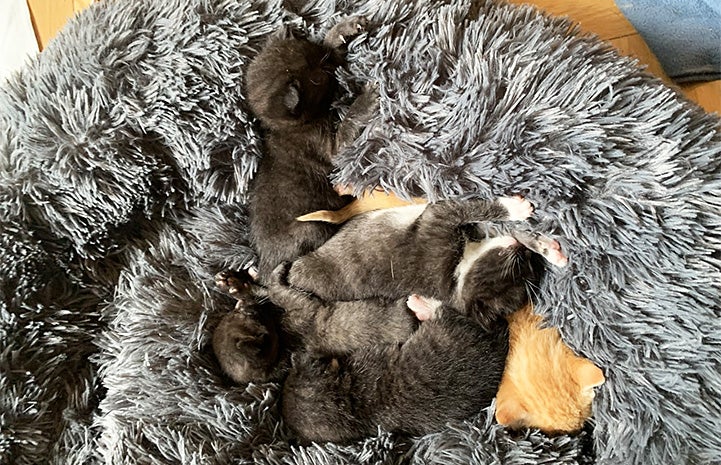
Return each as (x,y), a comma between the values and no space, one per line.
(290,85)
(449,369)
(248,342)
(423,249)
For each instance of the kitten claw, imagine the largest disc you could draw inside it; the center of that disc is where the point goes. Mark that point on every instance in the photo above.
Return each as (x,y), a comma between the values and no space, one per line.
(344,30)
(518,207)
(235,283)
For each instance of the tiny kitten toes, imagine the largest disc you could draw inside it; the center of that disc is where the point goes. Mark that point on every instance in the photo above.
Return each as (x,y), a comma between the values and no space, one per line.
(235,283)
(342,32)
(519,209)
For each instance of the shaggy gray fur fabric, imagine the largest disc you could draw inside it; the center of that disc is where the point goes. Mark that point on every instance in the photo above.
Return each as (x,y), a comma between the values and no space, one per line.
(125,153)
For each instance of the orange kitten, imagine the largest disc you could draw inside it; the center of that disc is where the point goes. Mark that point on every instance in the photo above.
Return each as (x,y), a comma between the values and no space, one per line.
(544,385)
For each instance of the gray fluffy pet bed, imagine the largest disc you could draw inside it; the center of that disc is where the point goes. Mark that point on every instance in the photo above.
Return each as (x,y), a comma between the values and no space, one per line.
(125,154)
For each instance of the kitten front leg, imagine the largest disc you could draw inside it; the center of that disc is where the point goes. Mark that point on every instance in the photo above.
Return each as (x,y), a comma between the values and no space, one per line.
(300,306)
(359,114)
(439,229)
(548,248)
(340,34)
(451,214)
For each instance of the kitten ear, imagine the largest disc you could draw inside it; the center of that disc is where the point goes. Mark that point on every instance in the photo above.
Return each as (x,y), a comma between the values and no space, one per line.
(282,33)
(291,99)
(588,375)
(510,412)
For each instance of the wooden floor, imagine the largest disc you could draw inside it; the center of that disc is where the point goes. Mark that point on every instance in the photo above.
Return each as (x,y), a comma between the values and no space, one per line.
(601,17)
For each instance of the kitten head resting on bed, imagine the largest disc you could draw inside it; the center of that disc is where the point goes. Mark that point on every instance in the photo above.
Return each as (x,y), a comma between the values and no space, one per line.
(545,385)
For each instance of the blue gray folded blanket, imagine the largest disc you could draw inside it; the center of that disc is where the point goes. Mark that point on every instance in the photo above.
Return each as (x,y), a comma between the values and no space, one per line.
(684,35)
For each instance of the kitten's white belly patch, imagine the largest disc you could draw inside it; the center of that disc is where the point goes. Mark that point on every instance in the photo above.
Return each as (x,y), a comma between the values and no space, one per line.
(399,216)
(472,251)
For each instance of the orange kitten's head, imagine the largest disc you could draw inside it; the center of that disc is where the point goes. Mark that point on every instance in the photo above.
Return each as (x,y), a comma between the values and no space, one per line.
(545,385)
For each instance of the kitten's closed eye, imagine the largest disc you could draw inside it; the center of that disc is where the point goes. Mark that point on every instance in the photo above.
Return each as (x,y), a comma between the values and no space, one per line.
(291,99)
(253,343)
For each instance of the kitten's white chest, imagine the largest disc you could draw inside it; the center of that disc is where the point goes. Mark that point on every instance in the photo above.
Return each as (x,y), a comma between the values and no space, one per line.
(472,251)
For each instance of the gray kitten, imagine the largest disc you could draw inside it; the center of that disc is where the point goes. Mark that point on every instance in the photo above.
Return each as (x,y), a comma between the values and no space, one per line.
(424,249)
(290,87)
(492,280)
(449,369)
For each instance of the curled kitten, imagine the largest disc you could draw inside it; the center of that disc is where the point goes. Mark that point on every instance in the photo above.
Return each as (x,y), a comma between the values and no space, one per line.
(425,249)
(449,369)
(290,87)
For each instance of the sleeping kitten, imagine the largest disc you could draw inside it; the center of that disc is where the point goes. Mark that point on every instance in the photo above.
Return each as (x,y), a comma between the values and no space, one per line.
(545,385)
(447,370)
(423,249)
(290,87)
(247,341)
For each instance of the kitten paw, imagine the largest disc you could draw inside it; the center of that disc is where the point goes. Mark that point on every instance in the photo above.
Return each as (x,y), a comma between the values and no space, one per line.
(423,307)
(343,189)
(235,283)
(345,30)
(551,250)
(367,103)
(518,208)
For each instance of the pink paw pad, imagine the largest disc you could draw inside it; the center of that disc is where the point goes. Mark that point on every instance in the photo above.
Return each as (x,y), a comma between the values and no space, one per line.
(552,253)
(423,307)
(518,208)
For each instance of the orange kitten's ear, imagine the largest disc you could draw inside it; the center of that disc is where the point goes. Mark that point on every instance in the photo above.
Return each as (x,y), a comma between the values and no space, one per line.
(510,412)
(588,375)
